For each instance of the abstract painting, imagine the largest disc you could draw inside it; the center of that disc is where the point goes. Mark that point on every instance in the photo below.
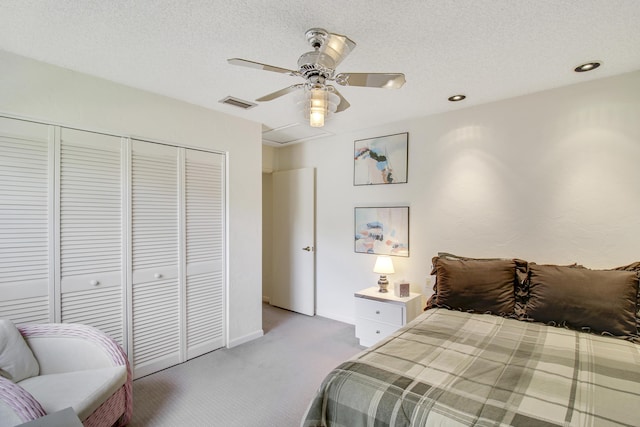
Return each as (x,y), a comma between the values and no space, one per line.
(381,160)
(382,231)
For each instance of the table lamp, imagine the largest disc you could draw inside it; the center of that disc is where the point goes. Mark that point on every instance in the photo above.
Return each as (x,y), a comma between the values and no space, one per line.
(383,267)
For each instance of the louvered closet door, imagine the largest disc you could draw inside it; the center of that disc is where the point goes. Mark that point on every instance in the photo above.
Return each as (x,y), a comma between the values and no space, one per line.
(204,214)
(91,231)
(155,257)
(26,221)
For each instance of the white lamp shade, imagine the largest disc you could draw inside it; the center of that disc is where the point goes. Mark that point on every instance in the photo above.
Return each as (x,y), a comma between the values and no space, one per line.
(383,265)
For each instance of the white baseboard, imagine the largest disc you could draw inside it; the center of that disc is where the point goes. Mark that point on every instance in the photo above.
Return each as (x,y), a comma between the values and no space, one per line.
(266,299)
(249,337)
(343,319)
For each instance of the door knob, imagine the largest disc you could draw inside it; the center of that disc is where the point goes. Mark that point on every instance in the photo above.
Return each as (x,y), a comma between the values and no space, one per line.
(308,249)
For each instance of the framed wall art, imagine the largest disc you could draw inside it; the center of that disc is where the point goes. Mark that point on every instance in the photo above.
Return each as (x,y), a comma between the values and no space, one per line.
(381,160)
(382,230)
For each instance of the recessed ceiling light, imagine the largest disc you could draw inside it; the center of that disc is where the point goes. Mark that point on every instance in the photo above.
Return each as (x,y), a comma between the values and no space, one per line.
(456,98)
(587,67)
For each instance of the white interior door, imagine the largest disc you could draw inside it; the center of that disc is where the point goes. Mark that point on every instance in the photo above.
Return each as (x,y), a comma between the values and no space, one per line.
(156,294)
(91,233)
(294,240)
(26,221)
(204,229)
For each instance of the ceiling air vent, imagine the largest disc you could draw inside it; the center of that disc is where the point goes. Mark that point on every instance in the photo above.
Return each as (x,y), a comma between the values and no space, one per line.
(236,102)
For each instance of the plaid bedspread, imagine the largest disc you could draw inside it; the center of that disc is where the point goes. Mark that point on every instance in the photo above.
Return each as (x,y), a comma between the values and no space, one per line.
(449,368)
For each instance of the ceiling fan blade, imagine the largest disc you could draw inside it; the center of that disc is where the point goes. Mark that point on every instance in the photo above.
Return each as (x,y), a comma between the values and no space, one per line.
(383,80)
(338,47)
(279,93)
(344,104)
(260,66)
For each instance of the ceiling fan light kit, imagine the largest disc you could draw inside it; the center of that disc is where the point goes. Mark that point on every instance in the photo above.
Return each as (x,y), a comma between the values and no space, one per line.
(318,103)
(318,67)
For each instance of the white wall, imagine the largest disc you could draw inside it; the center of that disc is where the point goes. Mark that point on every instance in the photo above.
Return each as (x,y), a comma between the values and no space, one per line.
(549,177)
(32,89)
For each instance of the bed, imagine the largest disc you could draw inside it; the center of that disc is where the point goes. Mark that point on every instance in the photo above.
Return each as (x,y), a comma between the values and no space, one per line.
(468,361)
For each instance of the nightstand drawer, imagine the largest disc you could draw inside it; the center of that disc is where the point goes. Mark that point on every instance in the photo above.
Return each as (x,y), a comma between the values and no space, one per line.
(371,332)
(380,311)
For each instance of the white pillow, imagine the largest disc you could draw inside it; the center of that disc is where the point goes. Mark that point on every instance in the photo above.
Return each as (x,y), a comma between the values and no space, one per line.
(16,359)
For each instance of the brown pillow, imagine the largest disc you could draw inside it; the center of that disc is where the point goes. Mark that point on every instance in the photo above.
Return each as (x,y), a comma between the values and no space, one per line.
(596,300)
(475,285)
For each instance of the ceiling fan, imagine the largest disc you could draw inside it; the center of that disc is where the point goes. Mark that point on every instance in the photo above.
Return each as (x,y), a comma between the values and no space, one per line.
(318,67)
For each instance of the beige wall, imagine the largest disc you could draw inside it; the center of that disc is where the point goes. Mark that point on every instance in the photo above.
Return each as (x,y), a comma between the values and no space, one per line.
(548,177)
(32,89)
(268,166)
(267,235)
(268,158)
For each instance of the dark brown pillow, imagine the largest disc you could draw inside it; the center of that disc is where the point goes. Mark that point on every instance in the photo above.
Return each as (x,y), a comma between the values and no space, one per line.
(596,300)
(635,267)
(522,287)
(475,285)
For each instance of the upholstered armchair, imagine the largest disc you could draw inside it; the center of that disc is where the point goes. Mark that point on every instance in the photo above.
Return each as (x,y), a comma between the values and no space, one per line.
(76,366)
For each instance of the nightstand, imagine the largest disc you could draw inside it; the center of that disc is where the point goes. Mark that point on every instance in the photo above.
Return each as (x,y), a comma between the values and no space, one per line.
(379,314)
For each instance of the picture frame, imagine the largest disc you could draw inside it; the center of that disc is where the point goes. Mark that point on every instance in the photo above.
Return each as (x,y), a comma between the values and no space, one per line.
(382,230)
(381,160)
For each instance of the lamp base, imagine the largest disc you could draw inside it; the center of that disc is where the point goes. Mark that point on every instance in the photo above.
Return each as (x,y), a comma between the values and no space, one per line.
(383,283)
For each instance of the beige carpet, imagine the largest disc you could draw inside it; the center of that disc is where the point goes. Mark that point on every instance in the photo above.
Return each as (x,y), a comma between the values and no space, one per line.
(267,382)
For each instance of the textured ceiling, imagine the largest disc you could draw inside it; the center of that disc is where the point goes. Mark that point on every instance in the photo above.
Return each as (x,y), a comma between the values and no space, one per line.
(486,49)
